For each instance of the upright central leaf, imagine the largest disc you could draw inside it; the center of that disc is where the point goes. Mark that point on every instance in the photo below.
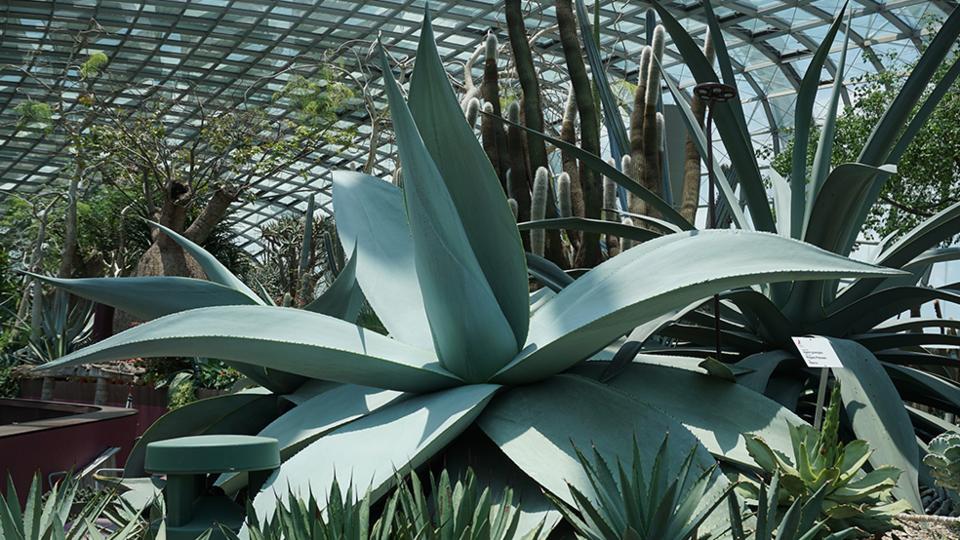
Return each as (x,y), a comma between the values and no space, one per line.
(471,182)
(471,335)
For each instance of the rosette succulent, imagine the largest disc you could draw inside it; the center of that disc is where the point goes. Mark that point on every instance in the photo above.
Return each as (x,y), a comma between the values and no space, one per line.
(469,362)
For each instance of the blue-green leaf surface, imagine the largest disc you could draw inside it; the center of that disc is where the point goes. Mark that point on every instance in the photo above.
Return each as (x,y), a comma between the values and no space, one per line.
(878,415)
(600,226)
(285,339)
(677,269)
(372,221)
(343,298)
(472,335)
(471,182)
(150,297)
(368,452)
(733,409)
(214,269)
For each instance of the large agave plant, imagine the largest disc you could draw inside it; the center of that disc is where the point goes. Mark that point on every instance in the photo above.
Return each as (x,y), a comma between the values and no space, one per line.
(442,265)
(885,361)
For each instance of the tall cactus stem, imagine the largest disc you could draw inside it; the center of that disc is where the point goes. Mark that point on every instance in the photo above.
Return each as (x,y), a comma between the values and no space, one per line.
(514,208)
(472,112)
(538,210)
(568,133)
(563,194)
(636,125)
(651,176)
(519,172)
(690,191)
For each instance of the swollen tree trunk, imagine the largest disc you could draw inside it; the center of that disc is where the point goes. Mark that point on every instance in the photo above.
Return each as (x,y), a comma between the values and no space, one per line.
(589,254)
(69,252)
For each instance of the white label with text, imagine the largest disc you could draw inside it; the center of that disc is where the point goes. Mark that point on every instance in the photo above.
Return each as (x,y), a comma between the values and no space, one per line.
(817,352)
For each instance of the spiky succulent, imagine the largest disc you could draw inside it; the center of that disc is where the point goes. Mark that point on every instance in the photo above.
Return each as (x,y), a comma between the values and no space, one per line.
(943,460)
(885,364)
(442,265)
(821,462)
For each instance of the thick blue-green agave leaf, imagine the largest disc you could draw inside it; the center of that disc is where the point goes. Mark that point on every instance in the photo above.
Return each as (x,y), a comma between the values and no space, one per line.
(547,273)
(153,296)
(343,298)
(878,416)
(601,226)
(863,314)
(472,336)
(880,341)
(803,119)
(915,323)
(191,419)
(733,410)
(760,367)
(284,339)
(471,182)
(678,269)
(368,452)
(214,269)
(372,221)
(729,120)
(824,152)
(927,388)
(539,426)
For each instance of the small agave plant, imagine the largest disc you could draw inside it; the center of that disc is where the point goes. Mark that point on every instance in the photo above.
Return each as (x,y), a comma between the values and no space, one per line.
(884,362)
(442,265)
(821,463)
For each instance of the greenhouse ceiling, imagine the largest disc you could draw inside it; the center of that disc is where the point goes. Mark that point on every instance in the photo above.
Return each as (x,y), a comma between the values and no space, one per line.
(239,53)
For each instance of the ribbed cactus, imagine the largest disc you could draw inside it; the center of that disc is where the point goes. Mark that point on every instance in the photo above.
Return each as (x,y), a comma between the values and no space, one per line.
(626,243)
(514,208)
(563,194)
(568,133)
(470,89)
(491,130)
(538,210)
(519,172)
(690,192)
(636,123)
(472,112)
(650,174)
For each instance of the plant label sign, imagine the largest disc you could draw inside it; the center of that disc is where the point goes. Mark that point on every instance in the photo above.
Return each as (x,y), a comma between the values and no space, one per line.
(817,352)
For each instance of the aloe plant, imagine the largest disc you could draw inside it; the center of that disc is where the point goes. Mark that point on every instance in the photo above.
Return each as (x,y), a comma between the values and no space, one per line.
(442,265)
(850,499)
(644,501)
(884,361)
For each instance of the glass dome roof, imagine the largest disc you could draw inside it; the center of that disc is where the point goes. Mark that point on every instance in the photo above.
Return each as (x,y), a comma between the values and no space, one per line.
(232,50)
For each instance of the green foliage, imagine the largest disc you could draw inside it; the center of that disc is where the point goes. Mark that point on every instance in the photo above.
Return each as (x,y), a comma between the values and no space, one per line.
(927,178)
(47,516)
(943,458)
(644,502)
(800,521)
(820,461)
(94,64)
(34,114)
(9,382)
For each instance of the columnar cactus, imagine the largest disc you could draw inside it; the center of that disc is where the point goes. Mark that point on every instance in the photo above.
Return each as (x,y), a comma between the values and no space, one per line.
(470,89)
(610,212)
(563,194)
(514,208)
(472,111)
(651,175)
(690,193)
(626,243)
(519,172)
(538,210)
(637,206)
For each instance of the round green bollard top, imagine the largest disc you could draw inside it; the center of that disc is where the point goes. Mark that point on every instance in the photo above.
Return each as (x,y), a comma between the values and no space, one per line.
(212,454)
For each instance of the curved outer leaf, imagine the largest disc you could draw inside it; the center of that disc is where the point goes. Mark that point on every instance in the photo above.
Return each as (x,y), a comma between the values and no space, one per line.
(781,201)
(150,297)
(214,269)
(927,388)
(649,220)
(612,119)
(607,302)
(878,416)
(923,114)
(544,271)
(803,117)
(372,221)
(930,233)
(471,333)
(831,218)
(191,419)
(761,366)
(916,323)
(539,426)
(600,166)
(910,358)
(769,321)
(862,315)
(875,341)
(495,472)
(368,452)
(343,298)
(729,120)
(471,181)
(733,409)
(285,339)
(700,140)
(311,419)
(591,225)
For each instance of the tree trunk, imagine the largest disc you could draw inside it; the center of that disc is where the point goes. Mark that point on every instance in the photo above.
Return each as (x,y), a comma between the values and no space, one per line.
(589,254)
(690,194)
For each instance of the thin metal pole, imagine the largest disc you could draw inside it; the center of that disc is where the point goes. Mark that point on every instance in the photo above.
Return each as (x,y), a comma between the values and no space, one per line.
(712,210)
